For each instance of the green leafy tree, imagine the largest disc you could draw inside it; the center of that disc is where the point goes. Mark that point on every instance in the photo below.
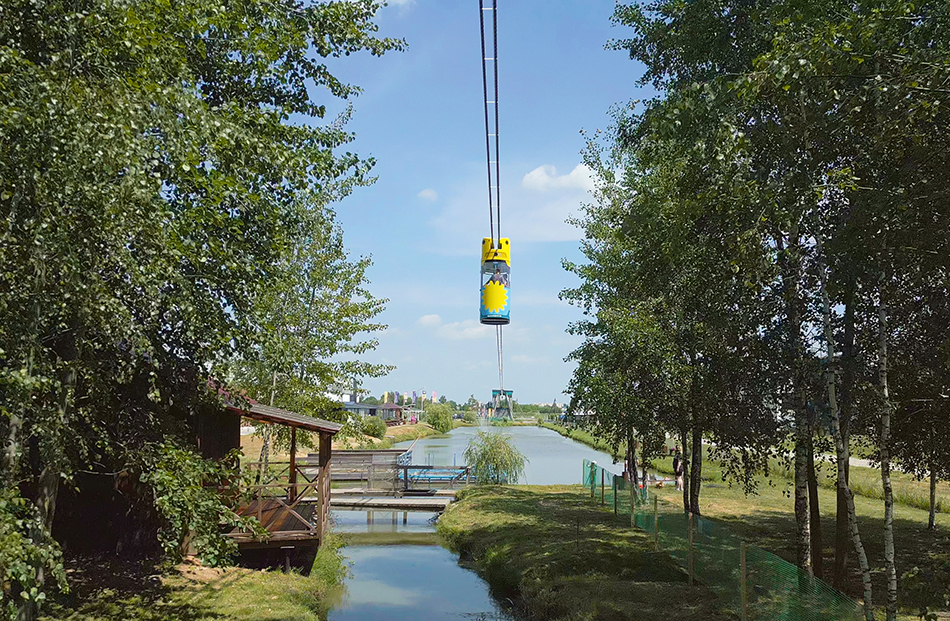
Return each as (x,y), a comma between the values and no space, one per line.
(152,191)
(374,426)
(493,459)
(439,416)
(797,146)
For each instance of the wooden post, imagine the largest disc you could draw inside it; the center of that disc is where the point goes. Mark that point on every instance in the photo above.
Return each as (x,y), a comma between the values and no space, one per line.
(292,489)
(656,523)
(323,460)
(614,479)
(602,486)
(743,588)
(689,558)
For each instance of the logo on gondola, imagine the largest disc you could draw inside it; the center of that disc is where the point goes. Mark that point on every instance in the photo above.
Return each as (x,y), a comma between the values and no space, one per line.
(494,297)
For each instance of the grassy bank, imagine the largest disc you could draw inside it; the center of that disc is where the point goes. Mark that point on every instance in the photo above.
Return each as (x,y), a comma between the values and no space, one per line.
(864,481)
(557,556)
(107,590)
(584,437)
(767,519)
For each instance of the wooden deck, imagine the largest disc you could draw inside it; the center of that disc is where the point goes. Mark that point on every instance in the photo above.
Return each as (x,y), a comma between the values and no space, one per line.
(405,503)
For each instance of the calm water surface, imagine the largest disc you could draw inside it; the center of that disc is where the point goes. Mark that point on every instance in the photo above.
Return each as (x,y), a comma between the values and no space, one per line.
(552,458)
(411,577)
(406,582)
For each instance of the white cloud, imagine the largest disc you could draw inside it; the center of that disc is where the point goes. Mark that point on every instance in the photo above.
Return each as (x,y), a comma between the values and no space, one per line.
(545,178)
(535,210)
(464,330)
(428,194)
(429,320)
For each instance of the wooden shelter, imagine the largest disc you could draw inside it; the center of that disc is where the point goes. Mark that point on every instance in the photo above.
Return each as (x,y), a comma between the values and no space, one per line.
(291,499)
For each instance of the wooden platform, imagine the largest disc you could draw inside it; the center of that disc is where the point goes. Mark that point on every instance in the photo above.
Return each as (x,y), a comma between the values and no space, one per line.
(406,503)
(360,491)
(284,525)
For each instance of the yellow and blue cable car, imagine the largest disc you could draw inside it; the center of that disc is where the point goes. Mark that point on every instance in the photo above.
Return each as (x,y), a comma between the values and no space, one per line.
(496,282)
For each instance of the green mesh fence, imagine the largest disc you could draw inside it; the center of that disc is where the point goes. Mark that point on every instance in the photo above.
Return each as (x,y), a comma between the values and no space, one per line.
(750,582)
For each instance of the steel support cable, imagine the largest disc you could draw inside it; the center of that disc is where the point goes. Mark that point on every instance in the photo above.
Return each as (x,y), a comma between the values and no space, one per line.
(501,364)
(494,15)
(481,23)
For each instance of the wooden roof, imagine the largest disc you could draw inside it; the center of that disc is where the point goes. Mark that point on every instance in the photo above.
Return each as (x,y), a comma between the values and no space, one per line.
(268,414)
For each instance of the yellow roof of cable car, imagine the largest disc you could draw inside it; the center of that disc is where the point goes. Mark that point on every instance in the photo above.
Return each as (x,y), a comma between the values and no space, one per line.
(502,253)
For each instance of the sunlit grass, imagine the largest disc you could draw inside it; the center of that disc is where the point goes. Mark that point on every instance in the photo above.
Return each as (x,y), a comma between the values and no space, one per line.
(767,520)
(112,591)
(558,556)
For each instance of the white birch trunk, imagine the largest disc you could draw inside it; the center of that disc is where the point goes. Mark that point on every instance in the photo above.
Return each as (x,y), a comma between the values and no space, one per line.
(890,567)
(841,451)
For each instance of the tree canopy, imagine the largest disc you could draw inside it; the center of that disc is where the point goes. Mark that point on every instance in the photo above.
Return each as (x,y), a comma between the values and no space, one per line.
(165,183)
(765,260)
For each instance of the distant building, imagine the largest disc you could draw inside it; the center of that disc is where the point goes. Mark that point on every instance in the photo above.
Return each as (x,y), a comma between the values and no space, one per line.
(361,409)
(389,412)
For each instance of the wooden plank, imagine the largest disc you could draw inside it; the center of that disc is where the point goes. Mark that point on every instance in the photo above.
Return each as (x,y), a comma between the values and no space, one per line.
(406,503)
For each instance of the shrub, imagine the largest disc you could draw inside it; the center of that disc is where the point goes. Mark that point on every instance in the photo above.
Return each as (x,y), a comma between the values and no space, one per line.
(470,417)
(439,416)
(194,496)
(494,459)
(27,552)
(374,426)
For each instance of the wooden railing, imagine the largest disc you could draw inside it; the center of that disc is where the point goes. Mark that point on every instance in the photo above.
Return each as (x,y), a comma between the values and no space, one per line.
(434,477)
(289,503)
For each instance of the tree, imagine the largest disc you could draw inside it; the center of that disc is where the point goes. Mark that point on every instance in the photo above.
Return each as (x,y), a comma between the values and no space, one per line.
(374,426)
(439,416)
(152,190)
(800,147)
(493,459)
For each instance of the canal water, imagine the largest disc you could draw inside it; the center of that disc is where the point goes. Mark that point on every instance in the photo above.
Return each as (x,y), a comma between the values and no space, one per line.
(398,570)
(552,458)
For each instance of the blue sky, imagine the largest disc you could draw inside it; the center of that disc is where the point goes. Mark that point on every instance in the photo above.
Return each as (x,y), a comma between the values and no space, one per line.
(421,117)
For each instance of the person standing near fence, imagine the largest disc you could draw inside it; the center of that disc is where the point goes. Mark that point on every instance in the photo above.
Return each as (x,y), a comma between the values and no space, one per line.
(678,469)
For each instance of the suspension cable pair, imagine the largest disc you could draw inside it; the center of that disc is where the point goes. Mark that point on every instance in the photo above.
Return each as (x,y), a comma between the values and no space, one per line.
(496,258)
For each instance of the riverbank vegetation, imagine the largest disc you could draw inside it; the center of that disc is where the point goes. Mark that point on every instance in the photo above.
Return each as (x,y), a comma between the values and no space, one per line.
(557,556)
(765,264)
(439,416)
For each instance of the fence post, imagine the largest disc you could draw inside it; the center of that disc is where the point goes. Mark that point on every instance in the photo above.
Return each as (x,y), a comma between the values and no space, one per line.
(602,485)
(614,479)
(690,561)
(743,588)
(656,523)
(593,478)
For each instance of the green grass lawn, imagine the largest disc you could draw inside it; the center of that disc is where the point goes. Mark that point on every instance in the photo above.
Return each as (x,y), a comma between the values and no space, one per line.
(557,556)
(108,590)
(767,520)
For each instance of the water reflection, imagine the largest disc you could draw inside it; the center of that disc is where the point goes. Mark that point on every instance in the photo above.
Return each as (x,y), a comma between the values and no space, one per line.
(404,574)
(362,521)
(412,583)
(552,458)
